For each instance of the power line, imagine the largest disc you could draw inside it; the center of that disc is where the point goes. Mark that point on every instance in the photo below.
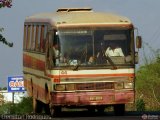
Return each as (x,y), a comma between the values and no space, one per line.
(154,53)
(155,35)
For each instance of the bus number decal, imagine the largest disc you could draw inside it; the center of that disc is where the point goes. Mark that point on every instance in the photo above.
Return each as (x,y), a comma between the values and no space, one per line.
(63,72)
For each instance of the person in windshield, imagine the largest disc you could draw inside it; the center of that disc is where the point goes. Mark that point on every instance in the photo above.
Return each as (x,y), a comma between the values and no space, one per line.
(91,60)
(114,50)
(56,54)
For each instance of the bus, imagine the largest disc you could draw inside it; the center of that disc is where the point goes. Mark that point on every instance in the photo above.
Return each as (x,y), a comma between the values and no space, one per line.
(66,64)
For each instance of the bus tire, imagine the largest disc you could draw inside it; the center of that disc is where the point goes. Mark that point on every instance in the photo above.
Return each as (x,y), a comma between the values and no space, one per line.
(91,110)
(55,111)
(37,106)
(100,109)
(31,88)
(47,109)
(119,109)
(47,94)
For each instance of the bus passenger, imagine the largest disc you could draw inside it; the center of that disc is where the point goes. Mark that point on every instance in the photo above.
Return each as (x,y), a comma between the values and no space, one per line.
(114,50)
(91,60)
(56,54)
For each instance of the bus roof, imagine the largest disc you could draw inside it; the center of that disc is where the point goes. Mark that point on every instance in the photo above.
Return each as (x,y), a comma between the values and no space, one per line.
(74,17)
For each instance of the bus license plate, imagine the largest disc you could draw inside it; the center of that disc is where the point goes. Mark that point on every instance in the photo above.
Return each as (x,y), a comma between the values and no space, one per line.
(95,98)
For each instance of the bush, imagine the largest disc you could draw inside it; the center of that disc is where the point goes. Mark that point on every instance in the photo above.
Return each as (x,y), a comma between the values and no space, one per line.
(140,105)
(24,107)
(5,108)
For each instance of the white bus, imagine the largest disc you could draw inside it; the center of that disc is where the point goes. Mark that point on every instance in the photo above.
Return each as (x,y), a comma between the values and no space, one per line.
(66,63)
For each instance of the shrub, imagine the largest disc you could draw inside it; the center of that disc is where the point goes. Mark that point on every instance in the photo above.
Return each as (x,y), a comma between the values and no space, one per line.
(24,107)
(140,105)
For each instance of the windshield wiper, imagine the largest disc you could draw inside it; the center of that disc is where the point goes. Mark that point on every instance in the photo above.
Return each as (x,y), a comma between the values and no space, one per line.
(76,67)
(111,62)
(75,64)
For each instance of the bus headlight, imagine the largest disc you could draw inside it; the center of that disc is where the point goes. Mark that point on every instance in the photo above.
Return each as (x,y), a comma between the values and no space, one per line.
(131,79)
(60,87)
(128,85)
(70,87)
(119,85)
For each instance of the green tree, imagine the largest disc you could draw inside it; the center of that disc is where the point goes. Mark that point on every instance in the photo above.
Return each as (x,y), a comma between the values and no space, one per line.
(148,82)
(3,4)
(1,99)
(4,88)
(23,107)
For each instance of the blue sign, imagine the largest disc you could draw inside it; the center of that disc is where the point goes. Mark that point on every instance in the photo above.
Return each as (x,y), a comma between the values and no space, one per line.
(16,84)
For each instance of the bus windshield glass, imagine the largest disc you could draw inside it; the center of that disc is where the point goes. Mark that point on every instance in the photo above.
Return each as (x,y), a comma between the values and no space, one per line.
(86,47)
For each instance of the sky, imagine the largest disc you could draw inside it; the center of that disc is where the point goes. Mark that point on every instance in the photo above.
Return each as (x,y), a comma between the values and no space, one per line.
(143,13)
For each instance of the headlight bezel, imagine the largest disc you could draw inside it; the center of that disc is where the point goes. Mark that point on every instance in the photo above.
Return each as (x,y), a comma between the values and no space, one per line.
(60,87)
(70,87)
(119,85)
(128,85)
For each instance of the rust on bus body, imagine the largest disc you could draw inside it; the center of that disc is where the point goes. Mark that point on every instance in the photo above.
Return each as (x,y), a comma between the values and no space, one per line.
(93,98)
(81,19)
(34,63)
(79,26)
(93,93)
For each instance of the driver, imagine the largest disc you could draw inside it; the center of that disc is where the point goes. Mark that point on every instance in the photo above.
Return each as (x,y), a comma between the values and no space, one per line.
(56,54)
(114,50)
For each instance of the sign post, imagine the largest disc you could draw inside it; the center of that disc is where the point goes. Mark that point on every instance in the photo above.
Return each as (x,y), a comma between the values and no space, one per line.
(15,84)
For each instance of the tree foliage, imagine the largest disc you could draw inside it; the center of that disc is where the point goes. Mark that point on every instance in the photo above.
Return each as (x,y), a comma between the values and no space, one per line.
(140,105)
(4,41)
(3,4)
(148,83)
(24,107)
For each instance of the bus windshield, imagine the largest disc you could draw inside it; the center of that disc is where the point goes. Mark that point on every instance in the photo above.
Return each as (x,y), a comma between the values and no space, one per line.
(86,47)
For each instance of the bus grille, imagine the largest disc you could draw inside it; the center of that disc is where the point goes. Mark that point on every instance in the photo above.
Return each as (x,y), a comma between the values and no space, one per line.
(94,86)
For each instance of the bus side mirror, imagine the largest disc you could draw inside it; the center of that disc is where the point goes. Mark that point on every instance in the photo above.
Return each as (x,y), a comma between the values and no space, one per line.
(136,58)
(138,42)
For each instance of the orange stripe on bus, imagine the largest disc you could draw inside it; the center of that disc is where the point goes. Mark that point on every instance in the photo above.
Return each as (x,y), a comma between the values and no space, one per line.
(95,25)
(31,62)
(93,75)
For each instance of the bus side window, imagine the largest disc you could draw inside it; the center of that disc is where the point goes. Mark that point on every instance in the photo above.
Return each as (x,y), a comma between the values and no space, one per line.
(25,37)
(50,52)
(56,48)
(55,39)
(47,52)
(42,39)
(39,38)
(33,38)
(36,38)
(28,37)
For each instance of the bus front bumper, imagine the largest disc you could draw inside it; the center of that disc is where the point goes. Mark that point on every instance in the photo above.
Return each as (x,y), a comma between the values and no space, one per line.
(92,98)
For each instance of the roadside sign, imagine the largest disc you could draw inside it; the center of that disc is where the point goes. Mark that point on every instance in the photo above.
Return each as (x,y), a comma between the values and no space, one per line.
(16,84)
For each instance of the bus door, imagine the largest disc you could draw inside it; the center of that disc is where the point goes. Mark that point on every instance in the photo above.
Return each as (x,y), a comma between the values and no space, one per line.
(48,54)
(51,56)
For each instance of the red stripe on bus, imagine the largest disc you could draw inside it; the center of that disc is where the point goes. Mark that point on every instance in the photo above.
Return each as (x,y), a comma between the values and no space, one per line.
(91,75)
(33,63)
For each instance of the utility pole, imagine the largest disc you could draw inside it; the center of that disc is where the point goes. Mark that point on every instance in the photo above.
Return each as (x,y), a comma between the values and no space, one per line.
(13,97)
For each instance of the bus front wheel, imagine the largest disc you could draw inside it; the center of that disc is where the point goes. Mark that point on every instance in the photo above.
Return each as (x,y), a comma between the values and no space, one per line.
(55,111)
(100,109)
(37,106)
(119,109)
